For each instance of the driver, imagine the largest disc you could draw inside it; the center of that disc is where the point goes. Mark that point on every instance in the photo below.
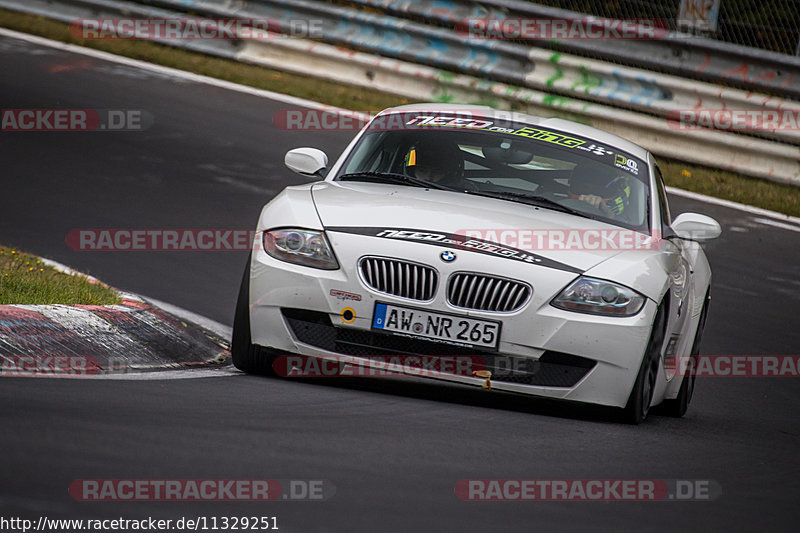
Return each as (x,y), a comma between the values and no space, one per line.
(439,162)
(611,199)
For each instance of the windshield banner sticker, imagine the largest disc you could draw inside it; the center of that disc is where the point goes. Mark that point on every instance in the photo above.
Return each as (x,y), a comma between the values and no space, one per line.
(612,157)
(462,242)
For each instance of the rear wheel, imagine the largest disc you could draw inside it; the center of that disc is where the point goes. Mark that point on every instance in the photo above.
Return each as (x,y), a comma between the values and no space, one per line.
(248,357)
(642,394)
(680,404)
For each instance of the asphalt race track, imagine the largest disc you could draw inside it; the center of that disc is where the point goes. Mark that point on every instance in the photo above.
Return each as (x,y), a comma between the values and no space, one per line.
(392,449)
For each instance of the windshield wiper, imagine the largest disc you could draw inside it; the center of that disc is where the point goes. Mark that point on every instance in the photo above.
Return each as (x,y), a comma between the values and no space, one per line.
(539,201)
(391,177)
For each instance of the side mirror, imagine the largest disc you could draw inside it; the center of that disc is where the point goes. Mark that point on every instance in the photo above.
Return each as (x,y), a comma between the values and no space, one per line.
(696,227)
(306,161)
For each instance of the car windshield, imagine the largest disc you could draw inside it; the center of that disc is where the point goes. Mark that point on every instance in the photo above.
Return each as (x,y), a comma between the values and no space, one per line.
(506,160)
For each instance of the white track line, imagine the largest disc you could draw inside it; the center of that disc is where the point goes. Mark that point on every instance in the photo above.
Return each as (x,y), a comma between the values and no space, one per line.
(182,74)
(775,224)
(733,205)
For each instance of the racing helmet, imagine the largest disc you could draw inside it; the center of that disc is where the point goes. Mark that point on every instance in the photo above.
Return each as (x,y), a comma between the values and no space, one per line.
(615,192)
(618,194)
(437,160)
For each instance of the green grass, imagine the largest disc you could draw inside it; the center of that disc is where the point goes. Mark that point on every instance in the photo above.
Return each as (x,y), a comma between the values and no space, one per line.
(730,186)
(24,279)
(721,184)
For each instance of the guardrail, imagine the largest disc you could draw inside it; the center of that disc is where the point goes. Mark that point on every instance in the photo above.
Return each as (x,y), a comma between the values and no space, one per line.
(688,56)
(747,155)
(506,62)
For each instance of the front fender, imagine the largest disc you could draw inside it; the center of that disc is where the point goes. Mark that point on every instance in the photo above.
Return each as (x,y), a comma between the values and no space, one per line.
(292,207)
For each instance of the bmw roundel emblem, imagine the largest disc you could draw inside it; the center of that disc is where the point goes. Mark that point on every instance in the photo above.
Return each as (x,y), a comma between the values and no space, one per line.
(448,256)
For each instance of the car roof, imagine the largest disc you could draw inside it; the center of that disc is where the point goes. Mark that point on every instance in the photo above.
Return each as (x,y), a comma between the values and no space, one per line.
(560,124)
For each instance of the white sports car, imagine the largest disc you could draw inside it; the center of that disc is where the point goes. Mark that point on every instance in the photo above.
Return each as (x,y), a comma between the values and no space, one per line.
(541,250)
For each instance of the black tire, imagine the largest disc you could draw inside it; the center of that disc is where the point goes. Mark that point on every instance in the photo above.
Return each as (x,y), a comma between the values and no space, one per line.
(641,396)
(246,356)
(678,407)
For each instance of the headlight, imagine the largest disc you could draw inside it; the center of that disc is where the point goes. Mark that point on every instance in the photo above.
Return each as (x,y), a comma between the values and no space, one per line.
(597,297)
(301,247)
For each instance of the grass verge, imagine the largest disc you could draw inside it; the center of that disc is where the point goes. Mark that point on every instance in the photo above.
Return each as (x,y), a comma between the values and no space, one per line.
(730,186)
(25,279)
(718,183)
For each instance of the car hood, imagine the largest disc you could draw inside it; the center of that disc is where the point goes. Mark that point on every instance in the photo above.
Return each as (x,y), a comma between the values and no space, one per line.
(442,217)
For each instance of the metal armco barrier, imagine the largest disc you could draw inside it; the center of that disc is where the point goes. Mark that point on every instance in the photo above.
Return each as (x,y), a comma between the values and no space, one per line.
(559,74)
(684,55)
(395,53)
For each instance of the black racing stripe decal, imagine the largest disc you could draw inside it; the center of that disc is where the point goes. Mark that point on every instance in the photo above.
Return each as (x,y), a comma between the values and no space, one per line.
(460,242)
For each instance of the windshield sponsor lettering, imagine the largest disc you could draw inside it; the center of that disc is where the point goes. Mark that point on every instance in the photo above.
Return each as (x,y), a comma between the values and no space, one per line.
(549,136)
(452,122)
(620,161)
(596,151)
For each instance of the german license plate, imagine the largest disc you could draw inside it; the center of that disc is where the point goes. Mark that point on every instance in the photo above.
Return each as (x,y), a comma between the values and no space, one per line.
(441,327)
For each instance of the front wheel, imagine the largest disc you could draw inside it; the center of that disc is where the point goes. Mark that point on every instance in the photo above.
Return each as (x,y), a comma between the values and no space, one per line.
(678,407)
(246,356)
(642,394)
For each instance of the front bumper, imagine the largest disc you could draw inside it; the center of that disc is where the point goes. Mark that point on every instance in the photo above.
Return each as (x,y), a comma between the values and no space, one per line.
(543,351)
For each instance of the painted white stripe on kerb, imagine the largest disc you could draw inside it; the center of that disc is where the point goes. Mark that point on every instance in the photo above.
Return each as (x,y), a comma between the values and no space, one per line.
(222,330)
(104,337)
(73,318)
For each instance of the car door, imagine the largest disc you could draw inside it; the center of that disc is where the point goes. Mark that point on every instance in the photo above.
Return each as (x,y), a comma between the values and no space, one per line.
(679,256)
